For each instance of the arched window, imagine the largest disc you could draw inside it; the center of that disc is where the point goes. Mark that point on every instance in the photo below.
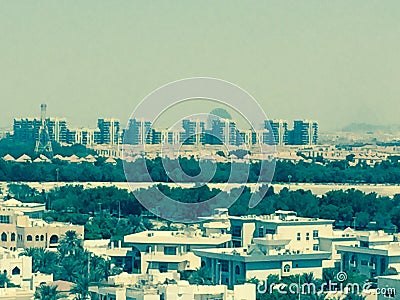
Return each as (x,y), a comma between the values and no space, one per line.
(13,237)
(203,263)
(4,237)
(53,239)
(16,271)
(286,269)
(37,238)
(237,270)
(42,238)
(29,238)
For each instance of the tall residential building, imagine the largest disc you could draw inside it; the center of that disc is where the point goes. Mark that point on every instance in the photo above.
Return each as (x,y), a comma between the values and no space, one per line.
(83,136)
(193,133)
(223,131)
(279,132)
(109,131)
(27,129)
(305,132)
(138,132)
(57,129)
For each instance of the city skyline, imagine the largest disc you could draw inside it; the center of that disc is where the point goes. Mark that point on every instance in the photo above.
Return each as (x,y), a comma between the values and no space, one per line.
(190,131)
(335,62)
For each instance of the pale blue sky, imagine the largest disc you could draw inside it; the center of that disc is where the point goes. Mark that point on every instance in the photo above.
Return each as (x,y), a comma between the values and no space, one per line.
(334,61)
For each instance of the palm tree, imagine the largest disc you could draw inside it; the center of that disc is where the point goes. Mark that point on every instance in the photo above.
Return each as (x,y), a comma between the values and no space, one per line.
(308,277)
(43,261)
(70,244)
(70,268)
(139,224)
(200,276)
(81,288)
(47,292)
(99,267)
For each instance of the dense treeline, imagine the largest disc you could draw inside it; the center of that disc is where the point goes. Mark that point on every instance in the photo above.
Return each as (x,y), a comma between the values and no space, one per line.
(387,172)
(109,212)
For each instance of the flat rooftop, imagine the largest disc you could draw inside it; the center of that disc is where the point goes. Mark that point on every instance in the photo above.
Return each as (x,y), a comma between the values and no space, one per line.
(176,237)
(242,254)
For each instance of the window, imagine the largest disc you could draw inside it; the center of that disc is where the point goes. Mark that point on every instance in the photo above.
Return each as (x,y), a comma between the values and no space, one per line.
(286,268)
(53,239)
(237,270)
(261,232)
(4,219)
(13,237)
(315,234)
(29,238)
(42,238)
(315,247)
(298,236)
(224,266)
(37,238)
(237,231)
(307,236)
(4,237)
(16,271)
(163,267)
(270,231)
(170,250)
(364,262)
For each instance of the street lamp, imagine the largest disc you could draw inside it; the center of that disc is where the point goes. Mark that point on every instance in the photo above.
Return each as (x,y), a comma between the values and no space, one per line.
(289,179)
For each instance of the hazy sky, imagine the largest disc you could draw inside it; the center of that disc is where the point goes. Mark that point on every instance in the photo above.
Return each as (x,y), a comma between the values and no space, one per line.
(334,61)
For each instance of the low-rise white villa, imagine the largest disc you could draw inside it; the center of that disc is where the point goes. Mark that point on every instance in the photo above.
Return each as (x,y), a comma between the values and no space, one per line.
(269,255)
(329,243)
(20,231)
(375,254)
(171,250)
(152,287)
(303,233)
(32,210)
(17,268)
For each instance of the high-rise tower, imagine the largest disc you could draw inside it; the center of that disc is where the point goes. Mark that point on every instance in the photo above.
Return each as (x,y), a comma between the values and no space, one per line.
(43,142)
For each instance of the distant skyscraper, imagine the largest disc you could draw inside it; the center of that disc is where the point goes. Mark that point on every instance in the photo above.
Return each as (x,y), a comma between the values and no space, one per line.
(26,129)
(279,132)
(223,131)
(138,132)
(193,133)
(109,131)
(83,136)
(305,132)
(57,129)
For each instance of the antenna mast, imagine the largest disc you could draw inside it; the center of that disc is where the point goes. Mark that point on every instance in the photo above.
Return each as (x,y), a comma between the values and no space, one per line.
(43,142)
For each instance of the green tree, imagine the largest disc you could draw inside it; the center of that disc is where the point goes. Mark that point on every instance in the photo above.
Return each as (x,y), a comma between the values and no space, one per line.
(70,244)
(81,288)
(47,292)
(200,276)
(43,261)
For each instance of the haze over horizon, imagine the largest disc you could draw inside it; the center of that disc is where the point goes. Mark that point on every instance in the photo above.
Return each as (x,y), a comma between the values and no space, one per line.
(336,62)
